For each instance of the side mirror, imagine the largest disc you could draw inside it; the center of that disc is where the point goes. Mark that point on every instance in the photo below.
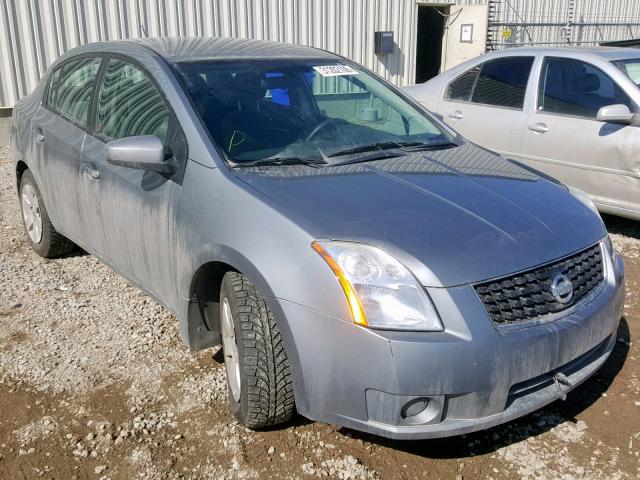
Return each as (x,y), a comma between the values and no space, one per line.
(144,152)
(615,114)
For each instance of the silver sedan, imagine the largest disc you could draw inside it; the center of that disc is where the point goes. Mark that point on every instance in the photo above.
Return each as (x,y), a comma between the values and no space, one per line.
(359,262)
(571,113)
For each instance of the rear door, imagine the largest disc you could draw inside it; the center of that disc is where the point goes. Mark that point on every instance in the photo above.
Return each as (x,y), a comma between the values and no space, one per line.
(564,139)
(133,222)
(59,129)
(486,103)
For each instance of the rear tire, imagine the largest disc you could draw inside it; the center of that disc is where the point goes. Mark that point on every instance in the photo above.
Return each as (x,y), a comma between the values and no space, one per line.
(258,378)
(41,234)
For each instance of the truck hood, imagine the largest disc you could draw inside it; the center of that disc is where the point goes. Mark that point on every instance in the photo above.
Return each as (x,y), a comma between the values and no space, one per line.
(454,216)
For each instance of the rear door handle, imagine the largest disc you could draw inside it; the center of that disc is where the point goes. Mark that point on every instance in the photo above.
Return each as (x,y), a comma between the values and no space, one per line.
(91,172)
(39,135)
(457,115)
(539,128)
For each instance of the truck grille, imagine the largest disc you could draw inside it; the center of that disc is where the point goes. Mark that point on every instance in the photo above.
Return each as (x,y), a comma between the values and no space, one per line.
(527,296)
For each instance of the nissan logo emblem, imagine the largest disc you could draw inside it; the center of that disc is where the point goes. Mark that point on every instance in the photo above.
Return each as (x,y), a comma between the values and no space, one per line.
(562,289)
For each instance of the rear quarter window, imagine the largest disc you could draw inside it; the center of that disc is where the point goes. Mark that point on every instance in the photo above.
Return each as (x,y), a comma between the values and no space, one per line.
(461,88)
(53,87)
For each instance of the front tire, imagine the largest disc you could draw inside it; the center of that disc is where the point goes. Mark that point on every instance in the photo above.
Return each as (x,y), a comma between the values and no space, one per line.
(258,374)
(42,235)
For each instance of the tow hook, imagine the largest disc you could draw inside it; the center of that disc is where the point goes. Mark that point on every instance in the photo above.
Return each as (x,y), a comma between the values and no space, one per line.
(560,380)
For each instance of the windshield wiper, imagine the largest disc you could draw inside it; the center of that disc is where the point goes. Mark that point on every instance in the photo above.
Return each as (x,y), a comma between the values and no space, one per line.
(406,146)
(370,158)
(379,146)
(420,146)
(276,161)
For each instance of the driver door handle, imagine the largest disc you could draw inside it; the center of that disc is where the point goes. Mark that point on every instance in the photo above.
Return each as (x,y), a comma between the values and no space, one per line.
(39,135)
(539,128)
(91,172)
(457,115)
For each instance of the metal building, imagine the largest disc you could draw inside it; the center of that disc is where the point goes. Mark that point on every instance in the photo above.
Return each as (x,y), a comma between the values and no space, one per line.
(428,35)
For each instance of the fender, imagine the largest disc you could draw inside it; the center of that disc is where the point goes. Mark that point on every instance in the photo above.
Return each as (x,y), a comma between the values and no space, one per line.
(198,312)
(199,316)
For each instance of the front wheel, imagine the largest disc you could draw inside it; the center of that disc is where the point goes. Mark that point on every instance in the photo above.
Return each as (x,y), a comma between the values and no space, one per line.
(258,374)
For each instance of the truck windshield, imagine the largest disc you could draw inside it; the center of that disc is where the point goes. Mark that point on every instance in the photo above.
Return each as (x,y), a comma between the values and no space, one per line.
(304,109)
(631,68)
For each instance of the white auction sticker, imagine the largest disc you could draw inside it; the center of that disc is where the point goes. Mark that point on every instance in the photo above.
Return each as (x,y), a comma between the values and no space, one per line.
(335,70)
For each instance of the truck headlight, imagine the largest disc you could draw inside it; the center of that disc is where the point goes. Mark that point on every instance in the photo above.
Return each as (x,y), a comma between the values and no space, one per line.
(381,292)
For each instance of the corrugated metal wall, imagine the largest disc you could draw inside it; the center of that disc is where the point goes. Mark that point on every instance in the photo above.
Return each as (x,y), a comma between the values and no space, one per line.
(34,32)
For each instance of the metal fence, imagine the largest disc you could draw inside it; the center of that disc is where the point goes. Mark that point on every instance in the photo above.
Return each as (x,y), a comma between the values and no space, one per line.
(560,22)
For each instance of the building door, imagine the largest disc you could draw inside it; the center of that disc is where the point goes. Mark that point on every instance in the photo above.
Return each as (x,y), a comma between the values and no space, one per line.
(431,23)
(465,34)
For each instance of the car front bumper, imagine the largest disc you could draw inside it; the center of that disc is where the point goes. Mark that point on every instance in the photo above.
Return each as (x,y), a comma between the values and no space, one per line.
(472,376)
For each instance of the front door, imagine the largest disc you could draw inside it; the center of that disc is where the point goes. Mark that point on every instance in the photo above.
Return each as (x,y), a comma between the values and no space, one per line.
(135,211)
(564,139)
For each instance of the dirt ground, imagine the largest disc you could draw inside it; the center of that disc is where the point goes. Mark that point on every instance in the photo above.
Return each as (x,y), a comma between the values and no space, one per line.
(95,384)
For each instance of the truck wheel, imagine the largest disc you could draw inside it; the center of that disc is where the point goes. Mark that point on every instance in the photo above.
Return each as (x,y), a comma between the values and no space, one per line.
(258,375)
(42,235)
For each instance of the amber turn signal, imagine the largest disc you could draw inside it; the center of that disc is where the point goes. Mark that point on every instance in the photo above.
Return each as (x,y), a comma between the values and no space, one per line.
(357,313)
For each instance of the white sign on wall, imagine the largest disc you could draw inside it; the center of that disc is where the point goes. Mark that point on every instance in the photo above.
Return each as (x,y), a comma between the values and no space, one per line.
(466,33)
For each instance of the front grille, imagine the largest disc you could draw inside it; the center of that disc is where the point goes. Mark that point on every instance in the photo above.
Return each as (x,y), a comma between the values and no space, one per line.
(527,296)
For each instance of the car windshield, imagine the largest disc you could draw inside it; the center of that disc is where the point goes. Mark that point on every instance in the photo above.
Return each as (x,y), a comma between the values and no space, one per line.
(304,110)
(631,68)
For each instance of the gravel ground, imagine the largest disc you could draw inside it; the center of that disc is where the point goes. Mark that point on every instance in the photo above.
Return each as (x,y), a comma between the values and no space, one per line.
(95,384)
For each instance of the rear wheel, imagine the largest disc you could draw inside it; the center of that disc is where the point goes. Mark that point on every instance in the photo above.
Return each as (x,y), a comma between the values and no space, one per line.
(42,235)
(258,374)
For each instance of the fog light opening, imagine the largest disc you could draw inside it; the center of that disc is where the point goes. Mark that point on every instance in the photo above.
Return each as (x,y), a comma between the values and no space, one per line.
(414,407)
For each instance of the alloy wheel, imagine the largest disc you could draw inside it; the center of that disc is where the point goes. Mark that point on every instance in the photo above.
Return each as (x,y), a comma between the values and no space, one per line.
(31,213)
(230,350)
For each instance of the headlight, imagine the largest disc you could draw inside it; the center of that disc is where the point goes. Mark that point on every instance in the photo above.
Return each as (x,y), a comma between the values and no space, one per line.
(583,197)
(381,292)
(608,246)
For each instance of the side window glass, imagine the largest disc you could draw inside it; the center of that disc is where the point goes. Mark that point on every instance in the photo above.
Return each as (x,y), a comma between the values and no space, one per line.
(460,89)
(572,87)
(129,104)
(503,82)
(53,86)
(72,87)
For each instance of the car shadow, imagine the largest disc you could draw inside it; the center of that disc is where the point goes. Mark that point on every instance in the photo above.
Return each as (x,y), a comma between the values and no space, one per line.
(76,252)
(622,226)
(609,129)
(531,425)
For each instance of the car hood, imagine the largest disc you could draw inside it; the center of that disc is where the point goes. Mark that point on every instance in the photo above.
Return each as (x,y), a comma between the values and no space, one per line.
(454,216)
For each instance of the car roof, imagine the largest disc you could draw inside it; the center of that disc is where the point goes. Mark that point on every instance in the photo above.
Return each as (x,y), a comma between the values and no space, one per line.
(180,49)
(607,53)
